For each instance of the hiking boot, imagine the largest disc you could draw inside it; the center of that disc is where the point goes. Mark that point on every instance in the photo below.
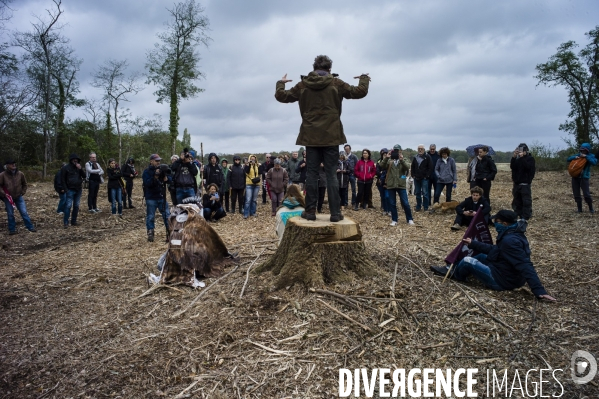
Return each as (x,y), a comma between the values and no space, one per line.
(33,230)
(131,206)
(74,224)
(12,233)
(309,214)
(336,218)
(356,208)
(151,235)
(456,227)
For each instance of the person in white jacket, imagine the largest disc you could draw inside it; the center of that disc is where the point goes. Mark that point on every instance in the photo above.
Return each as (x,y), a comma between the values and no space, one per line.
(93,175)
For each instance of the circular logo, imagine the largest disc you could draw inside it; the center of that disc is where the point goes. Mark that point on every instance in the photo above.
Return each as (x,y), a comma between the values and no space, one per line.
(583,366)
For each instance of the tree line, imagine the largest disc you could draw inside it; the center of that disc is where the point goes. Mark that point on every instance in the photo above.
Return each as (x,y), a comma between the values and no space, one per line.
(40,85)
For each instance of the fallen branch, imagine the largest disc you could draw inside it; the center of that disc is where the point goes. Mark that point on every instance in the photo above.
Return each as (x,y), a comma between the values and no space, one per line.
(586,282)
(250,243)
(179,313)
(435,345)
(182,393)
(498,320)
(343,315)
(266,348)
(344,299)
(247,275)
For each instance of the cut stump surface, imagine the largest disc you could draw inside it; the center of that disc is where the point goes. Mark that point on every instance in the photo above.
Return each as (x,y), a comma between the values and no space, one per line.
(317,252)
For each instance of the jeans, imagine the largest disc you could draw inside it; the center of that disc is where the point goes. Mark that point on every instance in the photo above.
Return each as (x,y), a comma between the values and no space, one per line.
(448,187)
(61,202)
(151,206)
(352,183)
(328,156)
(276,200)
(421,191)
(251,196)
(384,198)
(73,199)
(92,194)
(473,266)
(184,192)
(116,195)
(10,212)
(405,204)
(218,213)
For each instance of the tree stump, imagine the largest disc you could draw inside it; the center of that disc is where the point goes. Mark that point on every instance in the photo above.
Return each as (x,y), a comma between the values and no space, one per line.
(317,252)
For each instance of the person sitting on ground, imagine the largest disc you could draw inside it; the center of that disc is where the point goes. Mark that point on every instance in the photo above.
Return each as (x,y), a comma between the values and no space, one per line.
(277,179)
(293,205)
(468,208)
(211,202)
(500,267)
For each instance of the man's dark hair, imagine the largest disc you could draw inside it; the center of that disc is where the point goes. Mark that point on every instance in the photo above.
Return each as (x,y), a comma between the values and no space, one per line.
(477,189)
(322,63)
(347,145)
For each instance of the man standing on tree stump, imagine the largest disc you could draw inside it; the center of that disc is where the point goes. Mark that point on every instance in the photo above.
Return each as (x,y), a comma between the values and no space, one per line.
(320,95)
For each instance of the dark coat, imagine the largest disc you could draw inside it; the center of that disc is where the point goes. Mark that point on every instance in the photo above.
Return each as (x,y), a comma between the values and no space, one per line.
(523,169)
(214,174)
(71,177)
(236,177)
(509,260)
(57,182)
(184,174)
(424,170)
(114,178)
(469,205)
(151,185)
(434,158)
(302,171)
(485,168)
(320,96)
(343,173)
(291,166)
(127,170)
(208,203)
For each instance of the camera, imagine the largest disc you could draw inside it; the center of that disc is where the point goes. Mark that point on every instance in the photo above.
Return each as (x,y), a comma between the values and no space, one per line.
(165,170)
(186,153)
(395,154)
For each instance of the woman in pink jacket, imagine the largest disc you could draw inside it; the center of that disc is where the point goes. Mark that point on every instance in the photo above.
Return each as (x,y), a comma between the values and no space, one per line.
(365,170)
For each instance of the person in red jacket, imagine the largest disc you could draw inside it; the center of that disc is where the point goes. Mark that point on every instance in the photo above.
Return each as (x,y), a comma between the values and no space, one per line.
(365,170)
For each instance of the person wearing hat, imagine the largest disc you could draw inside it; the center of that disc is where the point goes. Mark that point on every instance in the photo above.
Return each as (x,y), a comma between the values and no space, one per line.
(522,165)
(236,182)
(582,182)
(500,267)
(225,186)
(155,193)
(397,168)
(72,176)
(13,187)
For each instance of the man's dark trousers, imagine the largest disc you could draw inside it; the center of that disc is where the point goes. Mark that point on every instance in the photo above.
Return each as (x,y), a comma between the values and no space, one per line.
(329,157)
(92,195)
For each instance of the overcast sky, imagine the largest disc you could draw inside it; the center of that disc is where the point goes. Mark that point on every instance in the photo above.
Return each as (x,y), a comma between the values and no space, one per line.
(454,73)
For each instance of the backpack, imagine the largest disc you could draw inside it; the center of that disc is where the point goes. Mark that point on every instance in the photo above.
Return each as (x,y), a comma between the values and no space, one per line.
(576,166)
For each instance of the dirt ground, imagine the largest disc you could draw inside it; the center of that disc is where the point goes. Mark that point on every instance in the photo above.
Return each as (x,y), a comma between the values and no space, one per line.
(73,323)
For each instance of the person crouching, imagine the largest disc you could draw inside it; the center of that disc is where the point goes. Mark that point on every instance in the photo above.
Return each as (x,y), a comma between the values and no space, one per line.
(468,208)
(211,202)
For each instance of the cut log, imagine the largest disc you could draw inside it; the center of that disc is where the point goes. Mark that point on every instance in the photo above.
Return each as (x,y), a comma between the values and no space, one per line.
(319,252)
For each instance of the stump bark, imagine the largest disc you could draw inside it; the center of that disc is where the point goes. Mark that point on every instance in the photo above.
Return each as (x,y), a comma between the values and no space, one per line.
(319,252)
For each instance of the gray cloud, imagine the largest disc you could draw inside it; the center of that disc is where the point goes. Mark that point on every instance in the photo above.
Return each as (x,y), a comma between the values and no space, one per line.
(453,73)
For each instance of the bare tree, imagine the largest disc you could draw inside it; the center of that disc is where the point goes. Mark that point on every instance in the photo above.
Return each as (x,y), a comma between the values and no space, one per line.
(117,87)
(173,64)
(39,46)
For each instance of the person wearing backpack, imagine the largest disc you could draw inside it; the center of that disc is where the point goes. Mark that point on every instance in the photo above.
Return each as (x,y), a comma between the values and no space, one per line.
(579,167)
(522,165)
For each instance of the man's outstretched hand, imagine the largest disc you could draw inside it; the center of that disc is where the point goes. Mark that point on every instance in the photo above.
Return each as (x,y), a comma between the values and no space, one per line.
(285,80)
(364,74)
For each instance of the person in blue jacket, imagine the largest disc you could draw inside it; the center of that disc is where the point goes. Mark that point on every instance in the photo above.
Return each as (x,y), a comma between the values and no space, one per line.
(582,182)
(504,266)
